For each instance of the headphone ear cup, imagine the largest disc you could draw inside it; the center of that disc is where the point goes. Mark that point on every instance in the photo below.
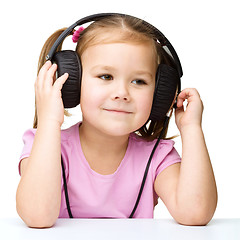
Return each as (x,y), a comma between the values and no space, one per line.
(167,82)
(69,62)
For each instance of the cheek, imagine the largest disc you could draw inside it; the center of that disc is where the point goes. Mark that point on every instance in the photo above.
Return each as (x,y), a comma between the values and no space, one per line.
(91,96)
(144,105)
(86,95)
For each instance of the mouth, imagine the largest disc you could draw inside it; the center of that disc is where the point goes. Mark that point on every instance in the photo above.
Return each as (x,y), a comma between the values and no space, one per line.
(118,111)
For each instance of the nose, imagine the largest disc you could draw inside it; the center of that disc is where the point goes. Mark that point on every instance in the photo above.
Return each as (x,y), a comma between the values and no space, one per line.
(121,92)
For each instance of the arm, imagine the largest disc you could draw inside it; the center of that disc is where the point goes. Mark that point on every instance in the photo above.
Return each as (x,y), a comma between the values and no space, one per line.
(39,192)
(189,189)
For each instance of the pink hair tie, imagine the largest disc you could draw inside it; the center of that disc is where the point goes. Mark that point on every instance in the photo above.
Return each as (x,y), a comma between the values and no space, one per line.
(76,34)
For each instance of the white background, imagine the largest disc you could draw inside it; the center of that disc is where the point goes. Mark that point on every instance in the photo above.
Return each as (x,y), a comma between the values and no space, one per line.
(206,37)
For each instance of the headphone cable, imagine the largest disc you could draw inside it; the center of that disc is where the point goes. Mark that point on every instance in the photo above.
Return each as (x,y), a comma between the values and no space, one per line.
(165,124)
(65,190)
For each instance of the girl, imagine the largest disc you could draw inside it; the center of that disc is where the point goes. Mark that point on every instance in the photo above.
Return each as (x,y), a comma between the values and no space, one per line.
(104,156)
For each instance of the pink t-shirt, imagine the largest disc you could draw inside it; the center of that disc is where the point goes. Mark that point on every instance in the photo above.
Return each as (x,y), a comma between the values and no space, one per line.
(92,195)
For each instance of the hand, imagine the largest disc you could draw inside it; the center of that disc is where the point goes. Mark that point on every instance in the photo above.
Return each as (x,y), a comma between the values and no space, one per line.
(192,115)
(48,94)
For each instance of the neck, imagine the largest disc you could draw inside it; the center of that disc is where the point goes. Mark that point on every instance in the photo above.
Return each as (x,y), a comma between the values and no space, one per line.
(99,144)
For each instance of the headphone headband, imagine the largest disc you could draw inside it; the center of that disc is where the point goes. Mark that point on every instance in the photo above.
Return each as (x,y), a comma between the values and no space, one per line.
(95,17)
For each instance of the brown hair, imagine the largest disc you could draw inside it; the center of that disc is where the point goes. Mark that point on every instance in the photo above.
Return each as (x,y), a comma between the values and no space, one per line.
(116,29)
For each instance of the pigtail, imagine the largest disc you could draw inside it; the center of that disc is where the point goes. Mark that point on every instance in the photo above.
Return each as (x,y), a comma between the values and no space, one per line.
(47,46)
(42,59)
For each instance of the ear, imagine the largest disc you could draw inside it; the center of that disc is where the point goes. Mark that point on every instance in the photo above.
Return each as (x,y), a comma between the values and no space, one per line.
(69,62)
(167,80)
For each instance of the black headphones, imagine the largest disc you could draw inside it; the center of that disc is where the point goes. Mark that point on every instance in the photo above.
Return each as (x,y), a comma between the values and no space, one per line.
(167,77)
(167,84)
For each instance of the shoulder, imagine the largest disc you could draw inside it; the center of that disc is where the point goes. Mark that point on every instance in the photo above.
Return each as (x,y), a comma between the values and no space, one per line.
(72,131)
(164,155)
(141,144)
(65,133)
(29,134)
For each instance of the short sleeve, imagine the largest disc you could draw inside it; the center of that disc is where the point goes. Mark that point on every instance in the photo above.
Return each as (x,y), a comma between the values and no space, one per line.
(27,138)
(167,155)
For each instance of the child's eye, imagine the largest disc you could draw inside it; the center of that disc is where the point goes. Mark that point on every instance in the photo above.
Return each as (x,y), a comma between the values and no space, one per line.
(139,82)
(106,77)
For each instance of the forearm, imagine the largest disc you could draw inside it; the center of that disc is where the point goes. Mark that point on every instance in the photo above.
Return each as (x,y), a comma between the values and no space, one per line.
(196,191)
(39,190)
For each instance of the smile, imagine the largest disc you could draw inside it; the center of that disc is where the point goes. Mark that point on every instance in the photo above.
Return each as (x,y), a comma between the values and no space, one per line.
(117,111)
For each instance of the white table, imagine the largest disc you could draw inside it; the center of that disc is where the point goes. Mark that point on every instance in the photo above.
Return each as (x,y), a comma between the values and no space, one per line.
(114,229)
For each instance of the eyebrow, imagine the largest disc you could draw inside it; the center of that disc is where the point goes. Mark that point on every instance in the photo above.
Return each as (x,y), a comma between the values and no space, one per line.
(110,68)
(104,67)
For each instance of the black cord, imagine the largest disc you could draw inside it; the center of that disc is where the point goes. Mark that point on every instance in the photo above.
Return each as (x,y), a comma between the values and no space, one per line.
(148,165)
(65,190)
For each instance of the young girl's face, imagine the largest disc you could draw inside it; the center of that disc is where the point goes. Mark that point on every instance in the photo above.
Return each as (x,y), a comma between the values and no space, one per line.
(117,88)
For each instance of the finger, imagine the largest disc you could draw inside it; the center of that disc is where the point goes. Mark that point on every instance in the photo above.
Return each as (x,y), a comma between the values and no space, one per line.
(50,76)
(186,94)
(179,109)
(58,84)
(42,73)
(181,98)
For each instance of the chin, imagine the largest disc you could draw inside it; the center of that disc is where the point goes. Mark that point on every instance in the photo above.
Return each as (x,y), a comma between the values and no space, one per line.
(119,130)
(117,133)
